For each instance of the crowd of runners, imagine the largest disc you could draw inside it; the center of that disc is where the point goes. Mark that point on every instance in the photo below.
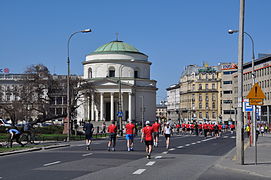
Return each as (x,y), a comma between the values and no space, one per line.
(150,133)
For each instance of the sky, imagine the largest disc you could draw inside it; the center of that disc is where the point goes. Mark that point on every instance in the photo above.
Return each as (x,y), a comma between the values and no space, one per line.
(173,33)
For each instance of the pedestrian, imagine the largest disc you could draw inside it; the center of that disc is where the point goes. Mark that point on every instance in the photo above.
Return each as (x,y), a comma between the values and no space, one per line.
(156,130)
(15,134)
(103,128)
(88,128)
(112,130)
(167,133)
(248,130)
(147,135)
(232,128)
(130,131)
(262,130)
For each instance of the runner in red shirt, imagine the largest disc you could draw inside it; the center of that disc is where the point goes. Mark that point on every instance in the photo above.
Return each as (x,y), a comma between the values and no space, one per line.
(130,131)
(112,130)
(156,130)
(232,128)
(147,136)
(178,126)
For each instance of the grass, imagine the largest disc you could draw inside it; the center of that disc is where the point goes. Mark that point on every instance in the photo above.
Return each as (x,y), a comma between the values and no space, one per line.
(16,148)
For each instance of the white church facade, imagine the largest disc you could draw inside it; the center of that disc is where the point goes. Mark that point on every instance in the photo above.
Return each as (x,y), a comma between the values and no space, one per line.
(120,77)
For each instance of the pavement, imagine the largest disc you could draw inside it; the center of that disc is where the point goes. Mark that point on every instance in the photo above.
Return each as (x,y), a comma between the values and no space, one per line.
(263,166)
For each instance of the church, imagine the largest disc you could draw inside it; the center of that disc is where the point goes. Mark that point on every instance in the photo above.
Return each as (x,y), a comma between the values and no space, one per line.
(123,90)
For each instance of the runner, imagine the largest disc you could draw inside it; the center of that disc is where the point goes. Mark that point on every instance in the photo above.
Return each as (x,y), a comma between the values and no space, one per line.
(147,136)
(88,128)
(232,128)
(167,133)
(130,131)
(112,130)
(178,126)
(14,135)
(205,130)
(156,129)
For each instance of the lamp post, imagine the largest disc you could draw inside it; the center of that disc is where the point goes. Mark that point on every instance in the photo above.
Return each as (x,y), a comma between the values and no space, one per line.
(240,115)
(253,82)
(68,82)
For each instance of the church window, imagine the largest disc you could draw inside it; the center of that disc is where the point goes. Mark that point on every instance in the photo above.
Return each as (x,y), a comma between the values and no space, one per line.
(111,72)
(89,73)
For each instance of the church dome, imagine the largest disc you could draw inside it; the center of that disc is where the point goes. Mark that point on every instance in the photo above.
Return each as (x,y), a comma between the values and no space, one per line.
(116,47)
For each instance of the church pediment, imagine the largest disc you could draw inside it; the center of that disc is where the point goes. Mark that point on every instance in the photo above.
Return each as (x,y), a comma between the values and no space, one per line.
(108,82)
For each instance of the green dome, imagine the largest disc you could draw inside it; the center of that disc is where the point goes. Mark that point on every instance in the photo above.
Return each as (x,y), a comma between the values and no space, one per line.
(116,46)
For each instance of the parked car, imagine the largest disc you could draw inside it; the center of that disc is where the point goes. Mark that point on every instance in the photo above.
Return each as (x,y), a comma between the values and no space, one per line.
(4,123)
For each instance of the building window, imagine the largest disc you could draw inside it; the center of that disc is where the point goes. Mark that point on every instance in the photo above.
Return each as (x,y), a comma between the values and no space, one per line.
(228,111)
(136,74)
(89,73)
(213,86)
(111,72)
(207,115)
(227,101)
(200,86)
(213,115)
(207,105)
(200,97)
(200,105)
(206,86)
(206,97)
(213,105)
(200,114)
(227,92)
(213,97)
(227,82)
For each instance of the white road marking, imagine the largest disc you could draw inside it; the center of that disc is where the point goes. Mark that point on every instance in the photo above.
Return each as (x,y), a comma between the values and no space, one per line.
(158,157)
(172,149)
(139,171)
(150,163)
(198,141)
(226,136)
(193,143)
(1,177)
(187,145)
(52,163)
(87,154)
(165,152)
(179,147)
(233,137)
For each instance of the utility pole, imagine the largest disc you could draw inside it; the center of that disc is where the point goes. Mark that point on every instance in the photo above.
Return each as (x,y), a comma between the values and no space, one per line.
(240,115)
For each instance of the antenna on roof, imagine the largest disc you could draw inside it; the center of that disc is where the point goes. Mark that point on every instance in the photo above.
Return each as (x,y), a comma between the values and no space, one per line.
(117,36)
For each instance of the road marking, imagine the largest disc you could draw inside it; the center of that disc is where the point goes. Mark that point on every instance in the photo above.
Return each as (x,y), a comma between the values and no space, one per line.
(198,141)
(87,154)
(172,149)
(158,157)
(226,136)
(1,177)
(193,143)
(165,152)
(52,163)
(139,171)
(150,163)
(179,147)
(187,145)
(233,137)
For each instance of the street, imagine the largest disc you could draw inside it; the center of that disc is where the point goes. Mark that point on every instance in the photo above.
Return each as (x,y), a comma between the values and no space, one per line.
(189,157)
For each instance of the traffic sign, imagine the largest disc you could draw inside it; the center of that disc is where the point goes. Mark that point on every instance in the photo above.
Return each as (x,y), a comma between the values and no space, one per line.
(120,114)
(256,92)
(255,101)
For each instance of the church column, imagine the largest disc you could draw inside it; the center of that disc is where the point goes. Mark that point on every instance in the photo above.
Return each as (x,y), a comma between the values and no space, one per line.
(88,108)
(130,107)
(92,107)
(102,106)
(112,107)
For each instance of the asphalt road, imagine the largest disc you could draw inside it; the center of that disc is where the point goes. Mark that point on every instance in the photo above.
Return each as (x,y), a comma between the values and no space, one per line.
(190,157)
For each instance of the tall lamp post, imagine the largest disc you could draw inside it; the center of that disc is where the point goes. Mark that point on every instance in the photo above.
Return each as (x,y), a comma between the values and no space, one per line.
(68,82)
(253,82)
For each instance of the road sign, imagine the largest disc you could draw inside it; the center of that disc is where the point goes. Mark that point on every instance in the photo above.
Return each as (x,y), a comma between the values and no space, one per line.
(256,95)
(247,107)
(256,92)
(255,101)
(120,114)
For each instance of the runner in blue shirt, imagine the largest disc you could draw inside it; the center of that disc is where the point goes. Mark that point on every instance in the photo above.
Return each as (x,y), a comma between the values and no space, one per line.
(14,135)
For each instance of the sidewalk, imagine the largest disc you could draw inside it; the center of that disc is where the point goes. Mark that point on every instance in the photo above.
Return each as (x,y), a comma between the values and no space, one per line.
(263,159)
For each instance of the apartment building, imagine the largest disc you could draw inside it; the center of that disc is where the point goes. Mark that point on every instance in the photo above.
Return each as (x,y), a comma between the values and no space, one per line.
(173,103)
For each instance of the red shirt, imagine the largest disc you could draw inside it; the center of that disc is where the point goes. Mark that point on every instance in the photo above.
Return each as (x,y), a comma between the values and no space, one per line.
(148,130)
(156,127)
(219,126)
(178,126)
(112,128)
(205,126)
(232,126)
(129,128)
(183,125)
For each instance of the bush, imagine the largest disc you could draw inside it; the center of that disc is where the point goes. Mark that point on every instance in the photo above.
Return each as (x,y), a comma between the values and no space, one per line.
(53,129)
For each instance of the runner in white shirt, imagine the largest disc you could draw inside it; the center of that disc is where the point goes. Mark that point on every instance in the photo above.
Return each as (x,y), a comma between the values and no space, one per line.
(167,133)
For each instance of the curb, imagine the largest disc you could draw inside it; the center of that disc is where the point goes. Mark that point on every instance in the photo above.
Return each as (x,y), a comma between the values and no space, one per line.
(219,165)
(34,149)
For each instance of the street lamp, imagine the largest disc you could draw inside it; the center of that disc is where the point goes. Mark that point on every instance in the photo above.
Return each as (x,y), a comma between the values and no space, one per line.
(253,82)
(68,82)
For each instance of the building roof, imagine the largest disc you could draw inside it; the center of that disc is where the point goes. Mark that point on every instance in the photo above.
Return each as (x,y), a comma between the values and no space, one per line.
(116,46)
